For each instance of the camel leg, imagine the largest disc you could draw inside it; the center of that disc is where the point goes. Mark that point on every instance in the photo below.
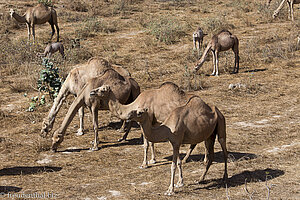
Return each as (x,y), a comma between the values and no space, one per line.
(236,59)
(152,161)
(170,191)
(180,176)
(57,30)
(95,123)
(209,144)
(52,29)
(222,142)
(29,30)
(80,131)
(292,10)
(33,33)
(57,138)
(192,147)
(124,137)
(62,52)
(217,63)
(214,62)
(146,146)
(194,42)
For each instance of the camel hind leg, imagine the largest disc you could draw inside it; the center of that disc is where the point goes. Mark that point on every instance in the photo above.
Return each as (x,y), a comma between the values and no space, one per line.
(235,49)
(209,145)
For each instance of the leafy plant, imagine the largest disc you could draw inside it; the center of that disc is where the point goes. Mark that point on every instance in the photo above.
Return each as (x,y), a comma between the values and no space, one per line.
(35,101)
(49,80)
(46,2)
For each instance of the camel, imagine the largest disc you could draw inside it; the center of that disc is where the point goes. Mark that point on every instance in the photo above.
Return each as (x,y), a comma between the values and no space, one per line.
(52,48)
(124,88)
(222,41)
(291,8)
(39,14)
(198,36)
(73,84)
(191,123)
(160,102)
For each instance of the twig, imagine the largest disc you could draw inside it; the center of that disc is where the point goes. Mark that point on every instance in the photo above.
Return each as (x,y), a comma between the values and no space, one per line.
(268,186)
(227,192)
(247,191)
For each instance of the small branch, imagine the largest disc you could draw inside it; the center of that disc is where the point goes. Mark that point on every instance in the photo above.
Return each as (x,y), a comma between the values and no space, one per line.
(247,191)
(227,192)
(268,186)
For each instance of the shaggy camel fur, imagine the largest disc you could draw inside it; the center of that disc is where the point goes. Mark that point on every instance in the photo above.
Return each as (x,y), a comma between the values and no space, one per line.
(191,123)
(73,84)
(52,48)
(39,14)
(125,89)
(222,41)
(198,36)
(160,102)
(291,8)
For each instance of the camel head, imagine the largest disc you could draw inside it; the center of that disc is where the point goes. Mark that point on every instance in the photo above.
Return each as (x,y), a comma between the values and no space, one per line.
(102,91)
(11,12)
(197,67)
(138,115)
(46,128)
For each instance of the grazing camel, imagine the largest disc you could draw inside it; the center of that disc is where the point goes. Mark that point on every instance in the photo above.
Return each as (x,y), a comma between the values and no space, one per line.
(124,88)
(39,14)
(52,48)
(198,36)
(191,123)
(73,84)
(291,8)
(222,41)
(160,102)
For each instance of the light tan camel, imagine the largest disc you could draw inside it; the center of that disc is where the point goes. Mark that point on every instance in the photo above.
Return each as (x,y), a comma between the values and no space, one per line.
(222,41)
(39,14)
(52,48)
(73,84)
(198,36)
(291,8)
(160,102)
(192,123)
(124,88)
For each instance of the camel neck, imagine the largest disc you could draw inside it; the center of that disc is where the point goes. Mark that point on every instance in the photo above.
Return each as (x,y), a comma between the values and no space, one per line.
(116,107)
(19,18)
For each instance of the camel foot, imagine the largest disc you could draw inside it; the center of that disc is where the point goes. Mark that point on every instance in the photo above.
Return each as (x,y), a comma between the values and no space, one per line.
(79,132)
(143,166)
(53,150)
(179,184)
(169,192)
(94,148)
(152,161)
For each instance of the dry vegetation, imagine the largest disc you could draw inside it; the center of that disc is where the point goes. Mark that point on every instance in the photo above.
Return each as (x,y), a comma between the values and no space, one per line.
(152,39)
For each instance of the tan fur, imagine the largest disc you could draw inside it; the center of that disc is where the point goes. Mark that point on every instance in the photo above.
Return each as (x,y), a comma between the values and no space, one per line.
(222,41)
(291,8)
(192,123)
(73,84)
(124,88)
(160,102)
(39,14)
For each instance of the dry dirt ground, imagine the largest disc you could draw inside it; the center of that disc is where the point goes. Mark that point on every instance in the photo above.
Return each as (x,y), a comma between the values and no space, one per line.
(262,117)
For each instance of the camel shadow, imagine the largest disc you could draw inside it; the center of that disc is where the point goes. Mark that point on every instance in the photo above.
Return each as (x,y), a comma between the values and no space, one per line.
(8,189)
(259,175)
(232,157)
(255,70)
(118,125)
(12,171)
(134,141)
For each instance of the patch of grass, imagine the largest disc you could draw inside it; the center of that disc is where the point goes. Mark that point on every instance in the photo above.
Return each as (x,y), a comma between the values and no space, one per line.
(216,24)
(167,29)
(77,5)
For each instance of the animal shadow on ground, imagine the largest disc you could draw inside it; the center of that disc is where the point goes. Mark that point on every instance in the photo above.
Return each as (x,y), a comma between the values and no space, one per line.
(8,189)
(117,125)
(255,70)
(12,171)
(259,175)
(134,141)
(232,157)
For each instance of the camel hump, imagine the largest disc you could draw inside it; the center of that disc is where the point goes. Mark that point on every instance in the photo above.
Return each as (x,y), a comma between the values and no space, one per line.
(171,86)
(225,30)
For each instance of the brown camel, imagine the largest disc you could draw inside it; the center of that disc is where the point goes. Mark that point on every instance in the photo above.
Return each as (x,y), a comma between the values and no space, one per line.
(222,41)
(160,102)
(191,123)
(39,14)
(124,88)
(52,48)
(291,7)
(73,84)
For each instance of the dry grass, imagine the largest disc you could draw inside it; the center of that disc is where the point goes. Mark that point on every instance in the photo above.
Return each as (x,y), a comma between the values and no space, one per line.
(152,39)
